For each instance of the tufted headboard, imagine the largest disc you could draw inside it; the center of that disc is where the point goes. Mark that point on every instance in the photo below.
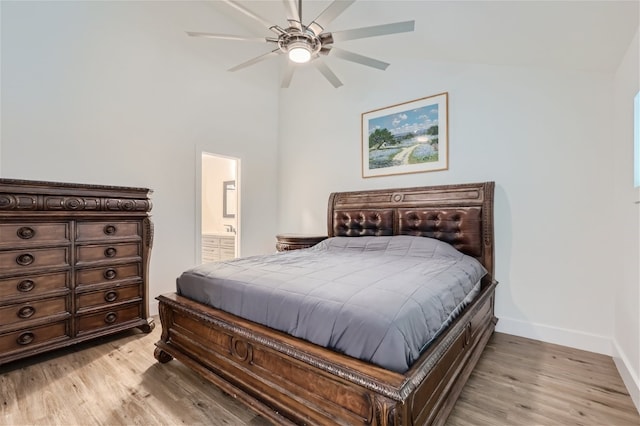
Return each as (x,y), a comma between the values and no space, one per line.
(461,215)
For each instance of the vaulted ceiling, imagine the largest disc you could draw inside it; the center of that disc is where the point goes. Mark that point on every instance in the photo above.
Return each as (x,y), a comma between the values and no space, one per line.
(571,35)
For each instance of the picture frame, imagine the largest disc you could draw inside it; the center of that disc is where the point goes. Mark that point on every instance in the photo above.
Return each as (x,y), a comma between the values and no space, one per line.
(410,137)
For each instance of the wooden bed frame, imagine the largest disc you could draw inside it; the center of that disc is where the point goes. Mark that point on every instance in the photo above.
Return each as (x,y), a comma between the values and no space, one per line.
(291,381)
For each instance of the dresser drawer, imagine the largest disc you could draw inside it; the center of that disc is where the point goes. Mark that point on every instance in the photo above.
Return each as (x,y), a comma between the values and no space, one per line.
(108,296)
(110,252)
(12,234)
(29,338)
(206,258)
(72,257)
(21,312)
(19,261)
(228,243)
(105,231)
(33,285)
(211,251)
(108,318)
(108,274)
(226,254)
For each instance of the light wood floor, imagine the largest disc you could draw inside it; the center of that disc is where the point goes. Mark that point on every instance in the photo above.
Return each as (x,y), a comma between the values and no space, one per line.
(116,381)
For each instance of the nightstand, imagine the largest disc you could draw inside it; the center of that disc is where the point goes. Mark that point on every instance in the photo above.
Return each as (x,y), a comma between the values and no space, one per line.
(287,242)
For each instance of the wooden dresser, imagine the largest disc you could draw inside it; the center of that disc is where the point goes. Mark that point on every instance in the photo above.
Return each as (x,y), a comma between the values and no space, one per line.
(73,264)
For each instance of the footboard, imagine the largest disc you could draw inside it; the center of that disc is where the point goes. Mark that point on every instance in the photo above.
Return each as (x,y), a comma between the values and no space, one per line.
(291,381)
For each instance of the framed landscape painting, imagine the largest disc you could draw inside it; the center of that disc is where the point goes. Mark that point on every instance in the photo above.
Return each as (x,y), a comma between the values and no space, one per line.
(411,137)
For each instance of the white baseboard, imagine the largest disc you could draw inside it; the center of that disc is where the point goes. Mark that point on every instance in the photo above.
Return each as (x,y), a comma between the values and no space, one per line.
(579,340)
(628,374)
(153,307)
(559,336)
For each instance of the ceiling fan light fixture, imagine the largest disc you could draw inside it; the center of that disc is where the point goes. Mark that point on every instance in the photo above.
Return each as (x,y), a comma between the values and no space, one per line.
(299,52)
(309,43)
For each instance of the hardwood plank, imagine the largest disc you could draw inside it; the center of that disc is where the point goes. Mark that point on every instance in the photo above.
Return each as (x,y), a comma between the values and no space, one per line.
(524,381)
(117,381)
(112,381)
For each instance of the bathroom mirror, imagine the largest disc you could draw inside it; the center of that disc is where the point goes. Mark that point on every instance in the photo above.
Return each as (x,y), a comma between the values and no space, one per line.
(229,198)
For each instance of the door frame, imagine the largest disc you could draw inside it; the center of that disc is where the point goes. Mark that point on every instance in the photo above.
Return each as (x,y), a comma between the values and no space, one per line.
(198,204)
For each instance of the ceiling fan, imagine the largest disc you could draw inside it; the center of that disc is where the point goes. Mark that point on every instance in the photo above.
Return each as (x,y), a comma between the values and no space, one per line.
(306,43)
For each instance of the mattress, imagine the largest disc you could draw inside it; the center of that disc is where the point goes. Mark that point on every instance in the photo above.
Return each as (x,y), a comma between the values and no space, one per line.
(379,299)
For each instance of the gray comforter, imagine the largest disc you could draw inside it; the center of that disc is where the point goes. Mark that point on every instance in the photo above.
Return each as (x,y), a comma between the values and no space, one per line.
(379,299)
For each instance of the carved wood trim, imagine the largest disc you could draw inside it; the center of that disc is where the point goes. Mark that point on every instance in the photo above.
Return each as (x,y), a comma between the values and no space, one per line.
(55,196)
(435,198)
(72,186)
(278,346)
(53,203)
(383,411)
(148,232)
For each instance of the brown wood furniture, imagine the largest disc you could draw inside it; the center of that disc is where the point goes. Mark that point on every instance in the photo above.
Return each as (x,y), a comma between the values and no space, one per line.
(73,264)
(286,242)
(290,381)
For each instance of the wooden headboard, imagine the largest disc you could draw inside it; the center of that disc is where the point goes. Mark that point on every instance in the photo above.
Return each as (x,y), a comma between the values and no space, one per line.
(461,215)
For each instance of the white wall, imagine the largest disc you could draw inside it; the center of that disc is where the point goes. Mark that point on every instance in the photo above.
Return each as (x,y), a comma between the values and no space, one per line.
(626,282)
(116,93)
(541,135)
(107,92)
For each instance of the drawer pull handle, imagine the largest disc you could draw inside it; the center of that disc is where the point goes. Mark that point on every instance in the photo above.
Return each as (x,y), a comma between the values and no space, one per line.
(109,230)
(25,338)
(110,318)
(25,259)
(111,296)
(26,312)
(25,286)
(110,273)
(25,232)
(110,252)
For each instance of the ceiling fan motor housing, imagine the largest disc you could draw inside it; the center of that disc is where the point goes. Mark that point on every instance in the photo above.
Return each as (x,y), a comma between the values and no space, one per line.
(296,38)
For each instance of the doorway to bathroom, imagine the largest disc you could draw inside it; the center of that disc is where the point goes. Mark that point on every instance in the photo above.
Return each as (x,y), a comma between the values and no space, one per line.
(219,208)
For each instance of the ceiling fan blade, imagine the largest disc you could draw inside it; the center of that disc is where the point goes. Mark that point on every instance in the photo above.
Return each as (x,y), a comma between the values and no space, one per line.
(328,15)
(360,59)
(253,16)
(228,37)
(288,75)
(255,60)
(376,30)
(328,74)
(294,13)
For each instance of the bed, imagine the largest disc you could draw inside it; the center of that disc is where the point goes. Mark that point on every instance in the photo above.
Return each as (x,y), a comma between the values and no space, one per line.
(289,380)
